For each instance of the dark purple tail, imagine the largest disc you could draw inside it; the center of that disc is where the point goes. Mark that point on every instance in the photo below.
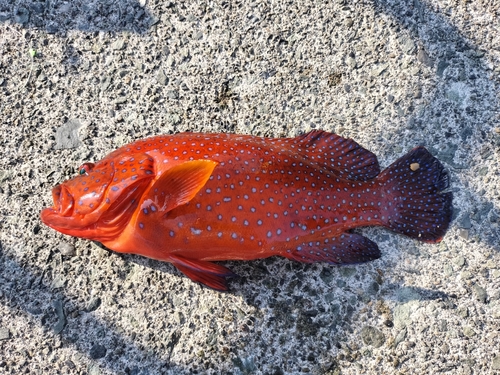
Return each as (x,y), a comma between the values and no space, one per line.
(414,183)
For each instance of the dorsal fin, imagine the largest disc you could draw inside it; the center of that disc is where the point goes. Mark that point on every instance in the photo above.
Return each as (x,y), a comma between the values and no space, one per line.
(342,156)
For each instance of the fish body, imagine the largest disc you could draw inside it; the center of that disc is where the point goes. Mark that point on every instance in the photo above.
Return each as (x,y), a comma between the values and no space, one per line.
(191,199)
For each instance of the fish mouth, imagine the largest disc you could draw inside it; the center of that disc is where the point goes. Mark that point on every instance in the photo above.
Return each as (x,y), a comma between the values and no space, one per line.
(63,205)
(63,200)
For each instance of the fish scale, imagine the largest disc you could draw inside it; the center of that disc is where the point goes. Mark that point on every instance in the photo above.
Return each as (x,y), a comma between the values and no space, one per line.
(269,220)
(191,199)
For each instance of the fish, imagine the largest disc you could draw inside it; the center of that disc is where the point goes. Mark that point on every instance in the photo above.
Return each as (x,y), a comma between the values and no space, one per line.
(192,199)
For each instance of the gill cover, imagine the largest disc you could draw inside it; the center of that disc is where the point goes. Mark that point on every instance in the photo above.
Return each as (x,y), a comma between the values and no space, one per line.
(98,204)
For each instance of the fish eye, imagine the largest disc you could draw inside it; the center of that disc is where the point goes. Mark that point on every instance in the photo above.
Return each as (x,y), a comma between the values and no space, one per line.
(85,168)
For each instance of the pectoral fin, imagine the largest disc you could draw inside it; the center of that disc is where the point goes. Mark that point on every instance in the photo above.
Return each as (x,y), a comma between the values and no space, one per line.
(177,186)
(208,273)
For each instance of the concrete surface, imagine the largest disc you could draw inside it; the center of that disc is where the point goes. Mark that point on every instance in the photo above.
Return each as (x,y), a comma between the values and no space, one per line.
(81,78)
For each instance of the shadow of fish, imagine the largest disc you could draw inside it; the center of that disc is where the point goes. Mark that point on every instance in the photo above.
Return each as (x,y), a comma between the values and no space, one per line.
(191,199)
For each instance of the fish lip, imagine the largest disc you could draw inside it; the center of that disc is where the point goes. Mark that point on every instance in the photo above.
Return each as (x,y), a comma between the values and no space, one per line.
(57,216)
(47,214)
(63,200)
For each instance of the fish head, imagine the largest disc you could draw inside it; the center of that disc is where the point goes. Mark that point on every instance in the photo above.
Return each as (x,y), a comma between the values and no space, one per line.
(98,203)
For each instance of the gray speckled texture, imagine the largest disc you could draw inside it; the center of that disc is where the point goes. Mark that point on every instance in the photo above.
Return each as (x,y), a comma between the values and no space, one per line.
(390,74)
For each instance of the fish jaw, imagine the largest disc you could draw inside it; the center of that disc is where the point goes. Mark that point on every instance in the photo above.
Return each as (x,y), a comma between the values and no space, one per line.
(62,217)
(83,226)
(59,216)
(51,217)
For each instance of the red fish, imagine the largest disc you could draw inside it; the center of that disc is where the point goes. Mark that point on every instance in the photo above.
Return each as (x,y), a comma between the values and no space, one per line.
(191,199)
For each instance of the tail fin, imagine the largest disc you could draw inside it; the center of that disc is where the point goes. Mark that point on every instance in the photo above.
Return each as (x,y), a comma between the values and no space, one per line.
(414,183)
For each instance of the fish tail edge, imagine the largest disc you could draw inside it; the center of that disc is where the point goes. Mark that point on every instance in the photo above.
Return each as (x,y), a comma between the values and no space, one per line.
(414,185)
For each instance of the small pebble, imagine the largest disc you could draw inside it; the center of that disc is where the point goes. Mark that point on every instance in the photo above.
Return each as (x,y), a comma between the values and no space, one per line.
(22,15)
(94,304)
(424,58)
(463,312)
(464,233)
(407,44)
(445,348)
(459,261)
(465,275)
(480,293)
(495,363)
(465,222)
(118,45)
(4,16)
(414,166)
(448,270)
(66,249)
(469,332)
(400,337)
(4,334)
(61,323)
(162,78)
(442,65)
(372,336)
(97,351)
(52,28)
(67,135)
(173,94)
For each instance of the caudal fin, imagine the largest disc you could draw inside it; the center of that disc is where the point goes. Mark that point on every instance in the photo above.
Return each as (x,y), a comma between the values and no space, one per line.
(414,183)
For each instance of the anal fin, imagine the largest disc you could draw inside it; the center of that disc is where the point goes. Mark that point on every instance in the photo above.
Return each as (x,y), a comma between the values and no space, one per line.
(208,273)
(347,248)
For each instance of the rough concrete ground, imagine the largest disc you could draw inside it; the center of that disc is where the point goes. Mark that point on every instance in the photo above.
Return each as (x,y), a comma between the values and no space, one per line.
(391,74)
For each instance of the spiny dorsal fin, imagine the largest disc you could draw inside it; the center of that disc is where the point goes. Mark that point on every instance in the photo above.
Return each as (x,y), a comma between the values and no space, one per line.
(342,156)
